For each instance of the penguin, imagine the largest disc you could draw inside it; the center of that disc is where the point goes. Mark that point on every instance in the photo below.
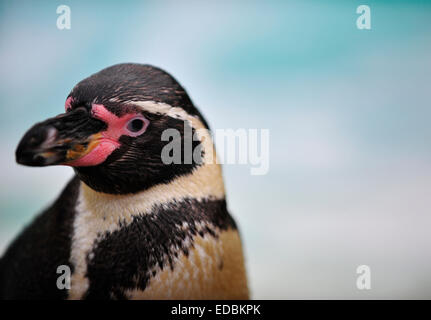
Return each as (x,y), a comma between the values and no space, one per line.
(129,224)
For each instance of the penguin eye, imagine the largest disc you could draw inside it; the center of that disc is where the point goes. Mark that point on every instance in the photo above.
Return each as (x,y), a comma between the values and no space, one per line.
(136,126)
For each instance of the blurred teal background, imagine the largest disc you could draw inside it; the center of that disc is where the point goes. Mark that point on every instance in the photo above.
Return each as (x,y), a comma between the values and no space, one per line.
(348,112)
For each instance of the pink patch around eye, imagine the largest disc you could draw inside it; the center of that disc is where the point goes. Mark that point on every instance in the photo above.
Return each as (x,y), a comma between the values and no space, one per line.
(117,127)
(68,103)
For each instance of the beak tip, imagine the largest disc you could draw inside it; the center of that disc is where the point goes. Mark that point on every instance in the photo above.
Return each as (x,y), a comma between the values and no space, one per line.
(19,156)
(28,156)
(34,148)
(29,159)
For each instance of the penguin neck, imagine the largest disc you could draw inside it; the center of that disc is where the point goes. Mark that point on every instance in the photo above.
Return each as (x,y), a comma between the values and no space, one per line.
(203,183)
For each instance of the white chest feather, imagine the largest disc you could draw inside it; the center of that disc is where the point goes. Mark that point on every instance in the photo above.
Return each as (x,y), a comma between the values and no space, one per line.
(98,214)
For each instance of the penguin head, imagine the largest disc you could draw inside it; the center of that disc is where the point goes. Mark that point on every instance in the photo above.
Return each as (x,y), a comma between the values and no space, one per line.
(112,130)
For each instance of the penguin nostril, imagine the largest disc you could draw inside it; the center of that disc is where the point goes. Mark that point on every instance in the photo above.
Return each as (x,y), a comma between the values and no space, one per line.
(36,139)
(42,138)
(32,141)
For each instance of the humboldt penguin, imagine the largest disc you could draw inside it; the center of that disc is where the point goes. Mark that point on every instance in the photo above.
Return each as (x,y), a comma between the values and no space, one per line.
(137,220)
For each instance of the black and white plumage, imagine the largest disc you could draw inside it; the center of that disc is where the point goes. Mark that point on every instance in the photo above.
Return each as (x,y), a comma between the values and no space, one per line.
(128,225)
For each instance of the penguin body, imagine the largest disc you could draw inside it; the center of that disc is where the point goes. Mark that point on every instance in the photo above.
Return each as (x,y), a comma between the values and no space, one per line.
(128,225)
(28,269)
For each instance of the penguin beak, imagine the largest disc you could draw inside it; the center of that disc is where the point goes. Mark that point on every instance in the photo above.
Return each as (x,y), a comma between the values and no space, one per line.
(60,140)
